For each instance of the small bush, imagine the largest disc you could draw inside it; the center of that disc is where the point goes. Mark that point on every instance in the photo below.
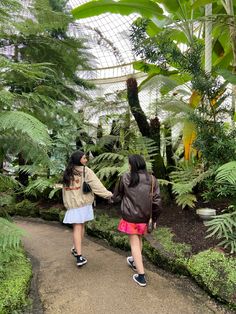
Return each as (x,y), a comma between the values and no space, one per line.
(217,273)
(26,208)
(15,276)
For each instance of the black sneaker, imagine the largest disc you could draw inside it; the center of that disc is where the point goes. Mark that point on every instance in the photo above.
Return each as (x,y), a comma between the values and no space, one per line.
(140,279)
(81,260)
(74,252)
(130,262)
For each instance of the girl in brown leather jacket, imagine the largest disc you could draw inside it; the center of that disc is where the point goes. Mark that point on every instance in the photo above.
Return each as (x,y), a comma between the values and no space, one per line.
(140,195)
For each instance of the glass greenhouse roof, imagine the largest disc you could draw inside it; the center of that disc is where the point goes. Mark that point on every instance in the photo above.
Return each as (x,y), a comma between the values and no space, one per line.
(108,36)
(108,39)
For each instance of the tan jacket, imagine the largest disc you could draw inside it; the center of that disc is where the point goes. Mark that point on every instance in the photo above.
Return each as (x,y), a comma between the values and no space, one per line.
(73,196)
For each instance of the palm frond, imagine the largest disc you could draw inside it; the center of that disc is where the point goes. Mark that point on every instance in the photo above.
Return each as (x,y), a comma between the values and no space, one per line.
(227,173)
(223,227)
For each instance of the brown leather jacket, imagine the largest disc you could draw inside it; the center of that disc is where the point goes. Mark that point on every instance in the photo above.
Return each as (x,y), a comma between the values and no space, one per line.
(137,202)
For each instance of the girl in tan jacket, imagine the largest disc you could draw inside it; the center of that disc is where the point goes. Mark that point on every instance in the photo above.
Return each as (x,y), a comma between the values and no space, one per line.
(78,204)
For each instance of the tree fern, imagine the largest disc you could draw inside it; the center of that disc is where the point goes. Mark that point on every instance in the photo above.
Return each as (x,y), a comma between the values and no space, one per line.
(38,186)
(25,123)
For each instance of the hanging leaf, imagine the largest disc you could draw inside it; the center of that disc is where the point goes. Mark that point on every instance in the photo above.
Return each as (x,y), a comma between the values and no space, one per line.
(146,8)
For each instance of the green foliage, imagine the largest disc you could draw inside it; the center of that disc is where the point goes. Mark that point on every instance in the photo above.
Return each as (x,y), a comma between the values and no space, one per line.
(22,122)
(184,179)
(39,85)
(216,272)
(7,199)
(165,237)
(38,186)
(105,227)
(227,173)
(10,235)
(51,214)
(125,7)
(110,165)
(223,227)
(216,143)
(26,208)
(15,276)
(7,183)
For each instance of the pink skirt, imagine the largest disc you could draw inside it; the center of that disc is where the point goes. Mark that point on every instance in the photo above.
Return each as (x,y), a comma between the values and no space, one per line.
(132,228)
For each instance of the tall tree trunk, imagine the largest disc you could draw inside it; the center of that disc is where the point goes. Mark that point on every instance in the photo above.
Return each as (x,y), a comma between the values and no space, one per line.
(23,177)
(126,130)
(99,130)
(137,111)
(152,131)
(169,149)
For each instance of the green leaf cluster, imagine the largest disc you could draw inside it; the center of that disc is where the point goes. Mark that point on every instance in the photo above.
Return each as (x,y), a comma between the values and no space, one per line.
(10,235)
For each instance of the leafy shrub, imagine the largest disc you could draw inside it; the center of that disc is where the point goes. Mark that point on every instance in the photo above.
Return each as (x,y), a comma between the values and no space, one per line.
(15,269)
(26,208)
(216,272)
(14,281)
(165,237)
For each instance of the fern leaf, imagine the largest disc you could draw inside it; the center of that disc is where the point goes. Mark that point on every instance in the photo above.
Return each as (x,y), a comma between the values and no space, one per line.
(25,123)
(10,235)
(186,200)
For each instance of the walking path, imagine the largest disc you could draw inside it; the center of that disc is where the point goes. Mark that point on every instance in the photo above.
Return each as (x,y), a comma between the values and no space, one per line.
(104,285)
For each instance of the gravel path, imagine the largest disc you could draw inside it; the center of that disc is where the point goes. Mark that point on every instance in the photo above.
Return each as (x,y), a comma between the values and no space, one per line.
(104,285)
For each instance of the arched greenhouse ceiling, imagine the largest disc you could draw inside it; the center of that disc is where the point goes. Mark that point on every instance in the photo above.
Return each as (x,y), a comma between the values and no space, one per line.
(108,35)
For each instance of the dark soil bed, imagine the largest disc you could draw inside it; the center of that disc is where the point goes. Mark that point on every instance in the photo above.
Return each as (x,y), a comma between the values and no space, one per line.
(185,224)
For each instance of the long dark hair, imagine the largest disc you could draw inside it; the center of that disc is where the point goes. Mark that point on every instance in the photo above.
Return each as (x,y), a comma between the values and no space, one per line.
(69,172)
(137,164)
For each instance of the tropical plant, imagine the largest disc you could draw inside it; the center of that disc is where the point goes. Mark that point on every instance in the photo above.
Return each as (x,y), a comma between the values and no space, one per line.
(109,165)
(182,22)
(39,84)
(224,226)
(184,180)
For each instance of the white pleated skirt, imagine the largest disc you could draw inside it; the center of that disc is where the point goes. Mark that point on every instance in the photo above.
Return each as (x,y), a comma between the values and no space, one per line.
(79,215)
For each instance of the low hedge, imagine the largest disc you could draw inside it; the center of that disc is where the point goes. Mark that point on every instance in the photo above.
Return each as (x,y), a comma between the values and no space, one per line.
(26,208)
(216,273)
(15,277)
(212,270)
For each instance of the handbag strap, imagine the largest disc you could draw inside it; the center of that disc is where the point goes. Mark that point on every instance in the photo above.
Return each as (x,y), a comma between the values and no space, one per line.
(84,172)
(151,192)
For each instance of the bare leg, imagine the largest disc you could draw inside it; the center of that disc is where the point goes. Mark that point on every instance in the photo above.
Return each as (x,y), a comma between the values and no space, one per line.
(141,243)
(83,231)
(77,237)
(136,250)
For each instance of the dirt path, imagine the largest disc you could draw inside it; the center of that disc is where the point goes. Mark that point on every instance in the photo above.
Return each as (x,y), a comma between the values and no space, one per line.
(104,285)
